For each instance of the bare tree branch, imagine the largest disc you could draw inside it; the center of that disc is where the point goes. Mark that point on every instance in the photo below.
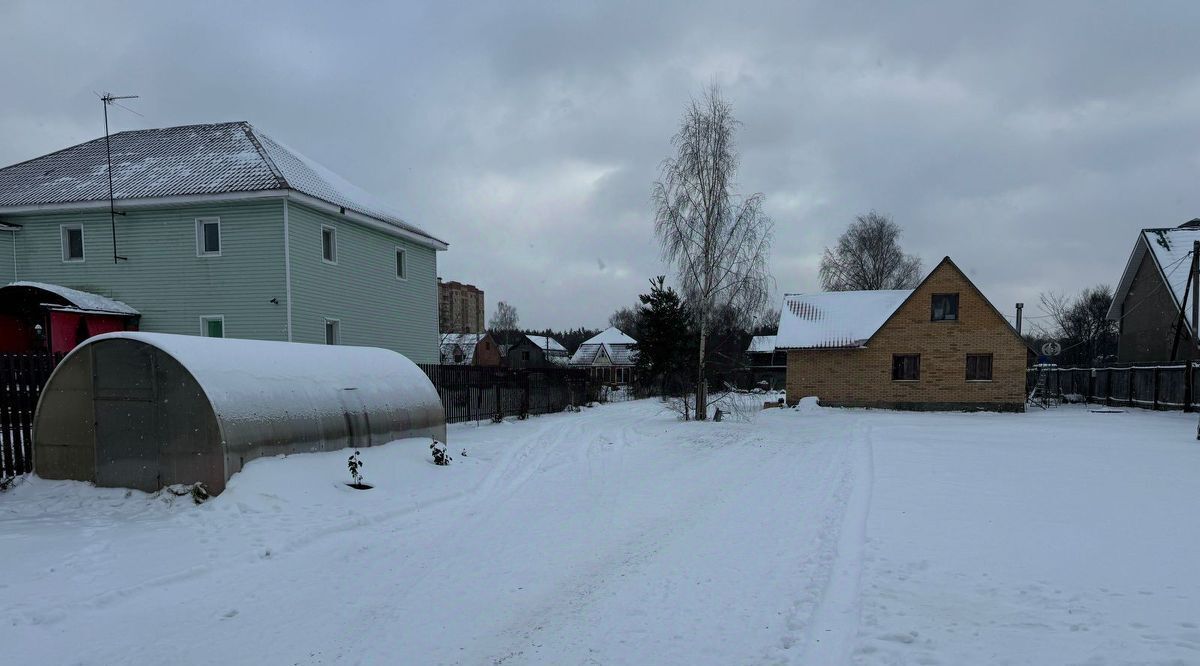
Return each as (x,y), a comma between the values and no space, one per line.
(718,242)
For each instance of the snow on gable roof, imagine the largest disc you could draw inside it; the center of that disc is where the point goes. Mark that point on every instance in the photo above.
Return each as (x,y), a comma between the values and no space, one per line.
(192,160)
(610,342)
(835,318)
(80,299)
(550,345)
(761,344)
(464,343)
(1171,250)
(610,335)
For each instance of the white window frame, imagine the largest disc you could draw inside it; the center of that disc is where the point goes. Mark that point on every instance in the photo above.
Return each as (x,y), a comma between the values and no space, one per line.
(62,239)
(205,319)
(333,245)
(403,254)
(200,251)
(337,331)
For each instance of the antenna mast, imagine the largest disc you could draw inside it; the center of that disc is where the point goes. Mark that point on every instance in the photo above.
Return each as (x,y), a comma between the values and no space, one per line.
(106,99)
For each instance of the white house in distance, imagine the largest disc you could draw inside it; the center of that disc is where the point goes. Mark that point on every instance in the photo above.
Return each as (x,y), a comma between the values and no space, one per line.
(609,356)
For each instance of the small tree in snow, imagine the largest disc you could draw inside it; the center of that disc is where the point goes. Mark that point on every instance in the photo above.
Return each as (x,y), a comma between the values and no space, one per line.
(355,465)
(440,455)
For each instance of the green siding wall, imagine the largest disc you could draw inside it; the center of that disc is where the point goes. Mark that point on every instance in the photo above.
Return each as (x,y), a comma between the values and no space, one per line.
(7,259)
(374,308)
(163,278)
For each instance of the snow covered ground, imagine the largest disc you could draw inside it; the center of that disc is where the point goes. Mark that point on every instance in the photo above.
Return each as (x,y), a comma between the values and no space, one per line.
(621,536)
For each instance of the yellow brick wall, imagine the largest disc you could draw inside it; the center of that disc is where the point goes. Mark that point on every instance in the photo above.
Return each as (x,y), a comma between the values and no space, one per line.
(863,377)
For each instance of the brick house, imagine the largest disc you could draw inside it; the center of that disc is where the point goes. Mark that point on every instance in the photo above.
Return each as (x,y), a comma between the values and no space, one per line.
(942,345)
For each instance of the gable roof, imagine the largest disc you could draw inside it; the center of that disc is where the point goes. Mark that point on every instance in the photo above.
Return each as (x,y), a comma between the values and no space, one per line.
(610,342)
(761,344)
(835,319)
(547,344)
(462,342)
(1171,250)
(858,315)
(190,160)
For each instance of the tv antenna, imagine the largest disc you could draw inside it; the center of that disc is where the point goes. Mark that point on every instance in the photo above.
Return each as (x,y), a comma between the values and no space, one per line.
(106,99)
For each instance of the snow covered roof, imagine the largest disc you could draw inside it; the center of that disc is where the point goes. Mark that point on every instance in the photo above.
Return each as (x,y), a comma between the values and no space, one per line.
(1171,250)
(259,378)
(191,160)
(550,345)
(80,299)
(761,344)
(610,344)
(612,336)
(835,318)
(463,343)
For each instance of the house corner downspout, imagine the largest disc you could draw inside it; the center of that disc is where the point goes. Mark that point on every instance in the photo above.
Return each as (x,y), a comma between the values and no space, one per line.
(287,267)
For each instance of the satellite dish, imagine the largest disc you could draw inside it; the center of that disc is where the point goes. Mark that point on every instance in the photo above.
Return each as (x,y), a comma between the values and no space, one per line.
(1051,349)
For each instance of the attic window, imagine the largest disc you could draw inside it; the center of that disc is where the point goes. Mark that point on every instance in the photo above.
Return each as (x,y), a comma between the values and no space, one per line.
(945,307)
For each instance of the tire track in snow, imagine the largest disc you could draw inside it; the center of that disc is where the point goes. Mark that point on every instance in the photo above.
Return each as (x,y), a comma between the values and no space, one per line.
(833,628)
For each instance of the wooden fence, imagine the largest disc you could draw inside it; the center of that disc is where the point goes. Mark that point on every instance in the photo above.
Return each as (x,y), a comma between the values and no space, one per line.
(22,377)
(1149,386)
(473,393)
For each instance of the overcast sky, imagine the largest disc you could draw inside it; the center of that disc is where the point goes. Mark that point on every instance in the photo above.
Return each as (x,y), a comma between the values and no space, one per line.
(1028,142)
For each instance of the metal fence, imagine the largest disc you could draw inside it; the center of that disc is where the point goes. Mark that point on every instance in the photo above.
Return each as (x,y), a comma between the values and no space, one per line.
(22,377)
(472,393)
(1148,386)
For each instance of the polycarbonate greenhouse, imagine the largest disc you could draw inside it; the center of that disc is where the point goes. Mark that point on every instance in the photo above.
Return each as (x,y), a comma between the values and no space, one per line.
(147,410)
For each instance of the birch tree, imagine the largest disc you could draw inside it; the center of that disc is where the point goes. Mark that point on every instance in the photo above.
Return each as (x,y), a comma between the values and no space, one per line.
(717,240)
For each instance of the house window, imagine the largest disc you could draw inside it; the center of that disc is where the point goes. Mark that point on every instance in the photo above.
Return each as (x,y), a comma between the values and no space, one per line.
(212,326)
(333,331)
(945,307)
(979,367)
(329,244)
(906,367)
(208,236)
(72,242)
(524,355)
(401,264)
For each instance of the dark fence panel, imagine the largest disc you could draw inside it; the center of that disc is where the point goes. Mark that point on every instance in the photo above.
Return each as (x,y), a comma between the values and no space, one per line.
(471,393)
(22,377)
(1147,386)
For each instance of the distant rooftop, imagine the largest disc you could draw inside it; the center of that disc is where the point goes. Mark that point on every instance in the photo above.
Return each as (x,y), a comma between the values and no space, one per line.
(191,160)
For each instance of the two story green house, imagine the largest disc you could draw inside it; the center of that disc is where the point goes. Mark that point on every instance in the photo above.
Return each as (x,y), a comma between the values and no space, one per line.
(221,230)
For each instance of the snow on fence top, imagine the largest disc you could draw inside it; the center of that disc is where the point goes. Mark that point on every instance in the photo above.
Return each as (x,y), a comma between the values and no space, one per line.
(835,318)
(80,299)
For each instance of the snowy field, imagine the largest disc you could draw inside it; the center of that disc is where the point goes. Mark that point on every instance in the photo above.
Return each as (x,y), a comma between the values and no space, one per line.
(620,536)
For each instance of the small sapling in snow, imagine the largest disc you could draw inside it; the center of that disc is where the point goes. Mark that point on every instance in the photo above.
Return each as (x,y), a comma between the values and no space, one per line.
(355,465)
(440,455)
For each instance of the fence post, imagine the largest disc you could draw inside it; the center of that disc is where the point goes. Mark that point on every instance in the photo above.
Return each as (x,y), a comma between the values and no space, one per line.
(1187,386)
(1156,376)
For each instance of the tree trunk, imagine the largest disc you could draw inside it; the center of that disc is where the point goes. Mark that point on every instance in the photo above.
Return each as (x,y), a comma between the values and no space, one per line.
(701,386)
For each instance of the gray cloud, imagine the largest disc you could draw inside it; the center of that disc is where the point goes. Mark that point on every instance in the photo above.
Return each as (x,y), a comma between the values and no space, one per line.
(1028,141)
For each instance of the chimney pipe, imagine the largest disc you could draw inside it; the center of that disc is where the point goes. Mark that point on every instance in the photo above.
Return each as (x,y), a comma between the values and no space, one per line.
(1020,306)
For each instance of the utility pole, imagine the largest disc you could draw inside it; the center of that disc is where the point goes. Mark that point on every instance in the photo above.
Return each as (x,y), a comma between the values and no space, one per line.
(1195,277)
(106,99)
